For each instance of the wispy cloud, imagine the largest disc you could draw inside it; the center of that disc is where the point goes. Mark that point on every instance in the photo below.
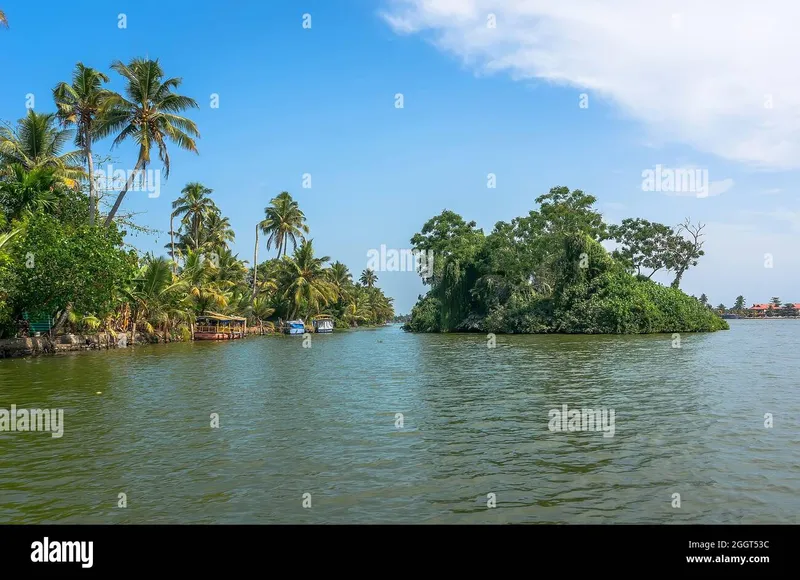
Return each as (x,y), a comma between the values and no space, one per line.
(773,191)
(710,74)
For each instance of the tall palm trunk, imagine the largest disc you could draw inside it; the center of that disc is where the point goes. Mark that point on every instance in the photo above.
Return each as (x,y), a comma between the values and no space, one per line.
(122,193)
(92,192)
(255,266)
(172,242)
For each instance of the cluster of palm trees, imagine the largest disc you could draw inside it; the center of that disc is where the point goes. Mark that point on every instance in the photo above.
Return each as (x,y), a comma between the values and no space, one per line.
(200,273)
(203,275)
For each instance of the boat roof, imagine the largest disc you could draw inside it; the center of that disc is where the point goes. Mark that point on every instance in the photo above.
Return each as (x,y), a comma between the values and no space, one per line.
(221,317)
(323,317)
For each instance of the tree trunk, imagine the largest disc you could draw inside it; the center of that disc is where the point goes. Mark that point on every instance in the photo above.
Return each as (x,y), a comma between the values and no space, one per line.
(61,320)
(172,242)
(255,267)
(121,196)
(676,283)
(92,192)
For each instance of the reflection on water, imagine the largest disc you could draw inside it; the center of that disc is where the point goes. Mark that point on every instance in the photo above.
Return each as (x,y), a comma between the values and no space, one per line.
(475,422)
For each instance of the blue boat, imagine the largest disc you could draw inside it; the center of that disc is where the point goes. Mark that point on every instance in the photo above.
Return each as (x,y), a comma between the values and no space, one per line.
(294,327)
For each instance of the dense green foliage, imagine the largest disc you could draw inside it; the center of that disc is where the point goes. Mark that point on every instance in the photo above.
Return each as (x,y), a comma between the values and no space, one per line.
(548,272)
(61,259)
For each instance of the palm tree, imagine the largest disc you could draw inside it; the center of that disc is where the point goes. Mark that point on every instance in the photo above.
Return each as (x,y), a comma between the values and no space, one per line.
(357,307)
(261,310)
(339,275)
(6,238)
(153,293)
(738,305)
(306,283)
(721,308)
(368,278)
(23,191)
(217,232)
(193,207)
(37,142)
(197,282)
(148,116)
(284,222)
(79,104)
(703,299)
(776,302)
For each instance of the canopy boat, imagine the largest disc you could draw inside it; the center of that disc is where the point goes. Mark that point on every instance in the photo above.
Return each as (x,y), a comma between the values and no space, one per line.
(323,323)
(213,326)
(294,327)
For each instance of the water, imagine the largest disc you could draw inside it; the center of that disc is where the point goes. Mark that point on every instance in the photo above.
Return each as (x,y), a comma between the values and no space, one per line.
(322,421)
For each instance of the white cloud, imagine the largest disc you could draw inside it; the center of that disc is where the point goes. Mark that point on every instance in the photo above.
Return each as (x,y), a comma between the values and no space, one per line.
(773,191)
(782,215)
(719,75)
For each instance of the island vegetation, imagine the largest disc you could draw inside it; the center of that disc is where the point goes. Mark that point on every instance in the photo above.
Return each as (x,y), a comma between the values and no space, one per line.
(63,254)
(547,272)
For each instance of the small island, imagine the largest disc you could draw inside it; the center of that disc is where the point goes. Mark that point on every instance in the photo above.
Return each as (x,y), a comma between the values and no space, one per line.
(548,272)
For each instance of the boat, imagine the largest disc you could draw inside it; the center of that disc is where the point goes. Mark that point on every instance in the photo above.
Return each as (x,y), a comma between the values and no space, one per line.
(323,323)
(214,326)
(294,327)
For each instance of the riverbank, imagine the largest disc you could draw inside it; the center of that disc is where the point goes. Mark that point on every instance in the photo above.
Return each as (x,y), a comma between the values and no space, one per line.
(41,345)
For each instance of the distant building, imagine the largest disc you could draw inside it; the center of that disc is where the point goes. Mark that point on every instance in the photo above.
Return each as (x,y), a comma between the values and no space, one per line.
(761,309)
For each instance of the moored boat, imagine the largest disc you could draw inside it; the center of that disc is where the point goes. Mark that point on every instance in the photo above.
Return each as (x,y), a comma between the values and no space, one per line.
(214,326)
(323,323)
(294,327)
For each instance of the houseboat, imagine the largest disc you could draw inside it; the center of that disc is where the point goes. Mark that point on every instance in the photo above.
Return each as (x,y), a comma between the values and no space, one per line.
(323,323)
(294,327)
(214,326)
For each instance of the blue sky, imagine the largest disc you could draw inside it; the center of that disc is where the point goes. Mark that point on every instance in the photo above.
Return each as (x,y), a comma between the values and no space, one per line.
(477,100)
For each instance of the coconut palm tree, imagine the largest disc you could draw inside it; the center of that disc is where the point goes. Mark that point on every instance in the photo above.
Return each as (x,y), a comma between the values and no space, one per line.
(368,278)
(284,222)
(37,142)
(306,284)
(203,292)
(339,275)
(152,293)
(28,191)
(79,104)
(147,115)
(216,231)
(357,308)
(193,207)
(261,310)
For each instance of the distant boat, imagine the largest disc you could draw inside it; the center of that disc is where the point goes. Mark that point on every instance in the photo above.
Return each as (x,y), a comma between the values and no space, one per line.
(323,323)
(294,327)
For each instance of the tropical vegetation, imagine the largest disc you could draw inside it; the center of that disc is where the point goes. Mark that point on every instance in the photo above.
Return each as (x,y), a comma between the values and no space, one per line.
(63,256)
(547,272)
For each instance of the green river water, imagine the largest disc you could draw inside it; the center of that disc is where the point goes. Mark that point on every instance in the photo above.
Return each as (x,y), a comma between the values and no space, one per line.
(324,421)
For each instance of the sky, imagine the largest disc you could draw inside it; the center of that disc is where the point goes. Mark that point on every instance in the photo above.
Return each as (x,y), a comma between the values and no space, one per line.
(539,93)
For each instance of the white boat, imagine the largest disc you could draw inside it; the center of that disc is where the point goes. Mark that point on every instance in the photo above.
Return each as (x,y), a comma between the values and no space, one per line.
(323,323)
(294,327)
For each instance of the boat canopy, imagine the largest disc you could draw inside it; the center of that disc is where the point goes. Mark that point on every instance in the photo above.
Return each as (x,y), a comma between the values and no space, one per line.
(220,317)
